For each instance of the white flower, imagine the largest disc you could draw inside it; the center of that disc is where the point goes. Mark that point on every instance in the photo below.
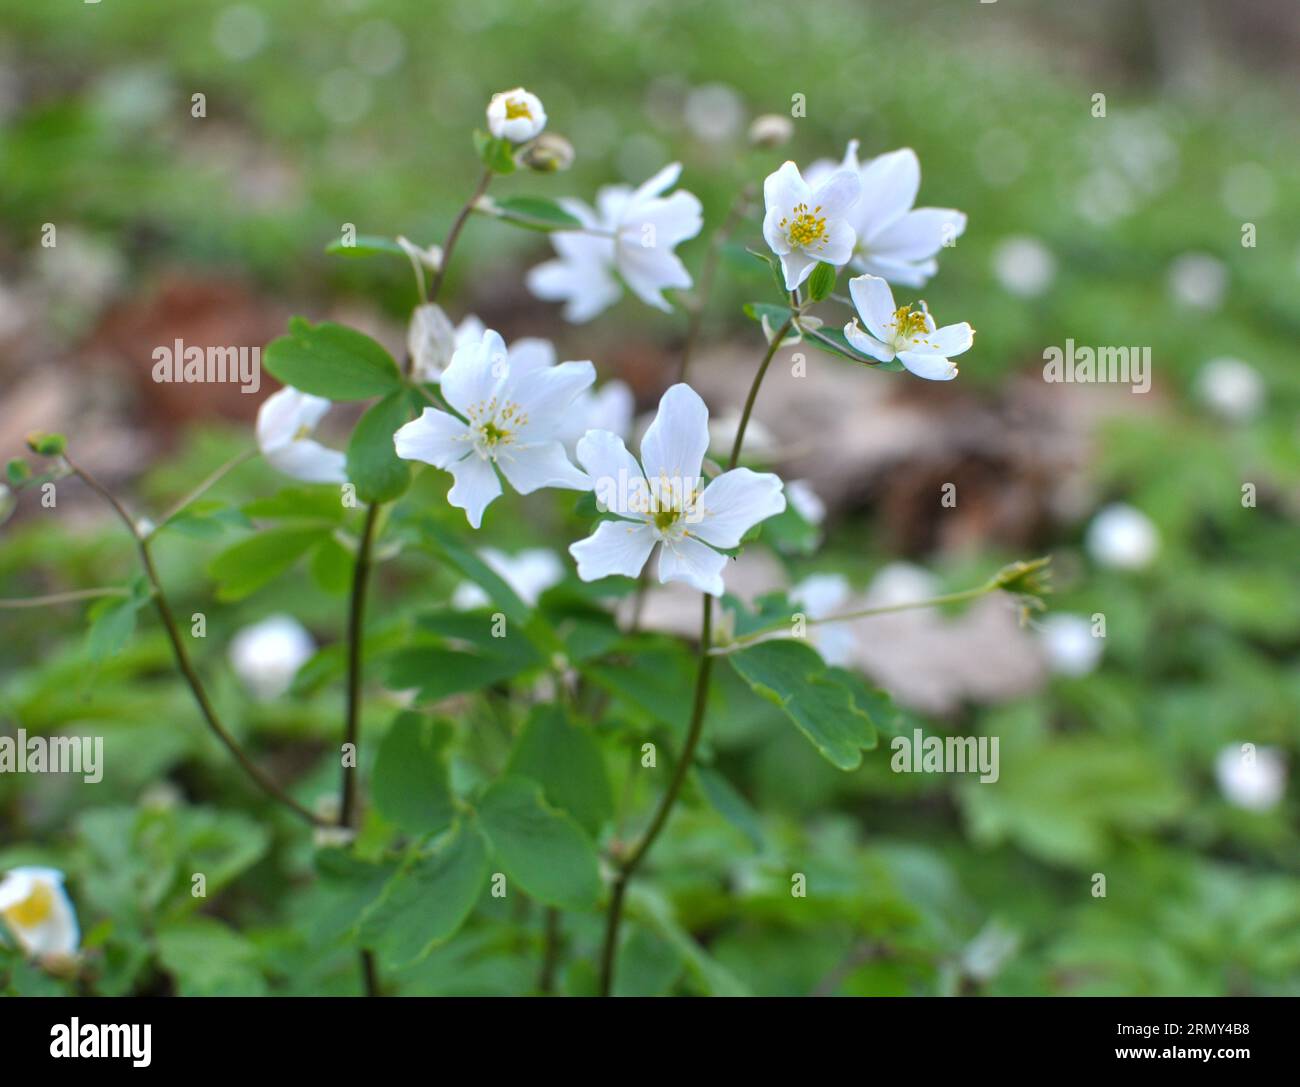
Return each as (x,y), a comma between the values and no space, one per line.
(1024,266)
(1198,281)
(807,502)
(1231,388)
(285,423)
(510,417)
(904,333)
(267,655)
(432,341)
(37,911)
(894,240)
(515,115)
(612,407)
(632,233)
(1253,779)
(1069,644)
(529,573)
(803,225)
(1122,537)
(821,596)
(901,583)
(662,500)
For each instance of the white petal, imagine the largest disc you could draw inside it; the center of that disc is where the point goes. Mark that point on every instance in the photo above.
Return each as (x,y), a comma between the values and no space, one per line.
(947,341)
(838,247)
(776,238)
(531,353)
(785,188)
(477,373)
(669,221)
(837,194)
(664,180)
(648,272)
(929,366)
(694,563)
(675,443)
(546,395)
(475,487)
(616,547)
(874,302)
(309,461)
(285,413)
(796,267)
(734,503)
(543,464)
(901,273)
(586,287)
(613,473)
(918,235)
(867,344)
(889,187)
(434,437)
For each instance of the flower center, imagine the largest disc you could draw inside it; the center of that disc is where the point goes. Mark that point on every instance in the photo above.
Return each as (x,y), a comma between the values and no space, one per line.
(805,228)
(302,432)
(909,323)
(33,909)
(517,107)
(495,426)
(665,519)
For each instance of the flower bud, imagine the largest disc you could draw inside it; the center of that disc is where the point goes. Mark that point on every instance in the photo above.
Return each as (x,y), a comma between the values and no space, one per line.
(771,130)
(547,154)
(515,115)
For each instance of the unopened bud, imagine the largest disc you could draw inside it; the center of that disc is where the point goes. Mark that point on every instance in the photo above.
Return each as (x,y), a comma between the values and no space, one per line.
(770,130)
(548,153)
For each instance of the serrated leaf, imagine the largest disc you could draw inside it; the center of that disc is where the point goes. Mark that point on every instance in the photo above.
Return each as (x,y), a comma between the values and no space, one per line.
(331,360)
(410,783)
(562,756)
(373,465)
(542,849)
(429,898)
(792,675)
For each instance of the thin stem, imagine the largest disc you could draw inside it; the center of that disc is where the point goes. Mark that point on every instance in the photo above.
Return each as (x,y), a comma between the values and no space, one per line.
(356,624)
(203,488)
(629,866)
(772,349)
(755,637)
(454,233)
(550,953)
(708,267)
(61,598)
(182,655)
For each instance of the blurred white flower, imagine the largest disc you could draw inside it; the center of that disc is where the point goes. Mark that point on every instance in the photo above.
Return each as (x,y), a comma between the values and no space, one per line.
(529,573)
(806,502)
(633,233)
(1122,537)
(771,130)
(894,240)
(662,500)
(515,410)
(285,423)
(992,948)
(1231,388)
(1254,779)
(901,583)
(1024,266)
(714,113)
(760,442)
(515,115)
(612,407)
(821,596)
(38,913)
(908,334)
(1069,644)
(804,225)
(267,655)
(1198,281)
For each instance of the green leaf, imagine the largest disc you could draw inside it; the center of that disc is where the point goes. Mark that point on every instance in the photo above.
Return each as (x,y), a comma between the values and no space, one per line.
(298,503)
(332,361)
(366,245)
(332,565)
(541,849)
(248,565)
(438,671)
(497,155)
(379,473)
(47,445)
(18,471)
(733,807)
(792,675)
(449,549)
(821,282)
(206,519)
(774,266)
(112,624)
(536,213)
(563,757)
(209,959)
(776,315)
(410,783)
(429,898)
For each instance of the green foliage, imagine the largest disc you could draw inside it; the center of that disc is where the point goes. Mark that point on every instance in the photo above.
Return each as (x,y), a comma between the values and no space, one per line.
(373,464)
(564,757)
(331,360)
(409,781)
(535,213)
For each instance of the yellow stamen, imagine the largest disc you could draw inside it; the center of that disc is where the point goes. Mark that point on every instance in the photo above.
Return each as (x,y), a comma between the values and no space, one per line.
(909,322)
(807,228)
(517,107)
(33,909)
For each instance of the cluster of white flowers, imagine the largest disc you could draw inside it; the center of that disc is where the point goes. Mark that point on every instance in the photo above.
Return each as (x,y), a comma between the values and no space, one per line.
(515,415)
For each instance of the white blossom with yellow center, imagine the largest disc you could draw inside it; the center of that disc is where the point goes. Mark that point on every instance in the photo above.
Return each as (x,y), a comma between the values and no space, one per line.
(805,226)
(37,912)
(662,500)
(515,115)
(285,423)
(510,414)
(904,333)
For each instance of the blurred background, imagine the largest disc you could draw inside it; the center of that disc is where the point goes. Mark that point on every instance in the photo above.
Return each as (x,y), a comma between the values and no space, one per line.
(1121,755)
